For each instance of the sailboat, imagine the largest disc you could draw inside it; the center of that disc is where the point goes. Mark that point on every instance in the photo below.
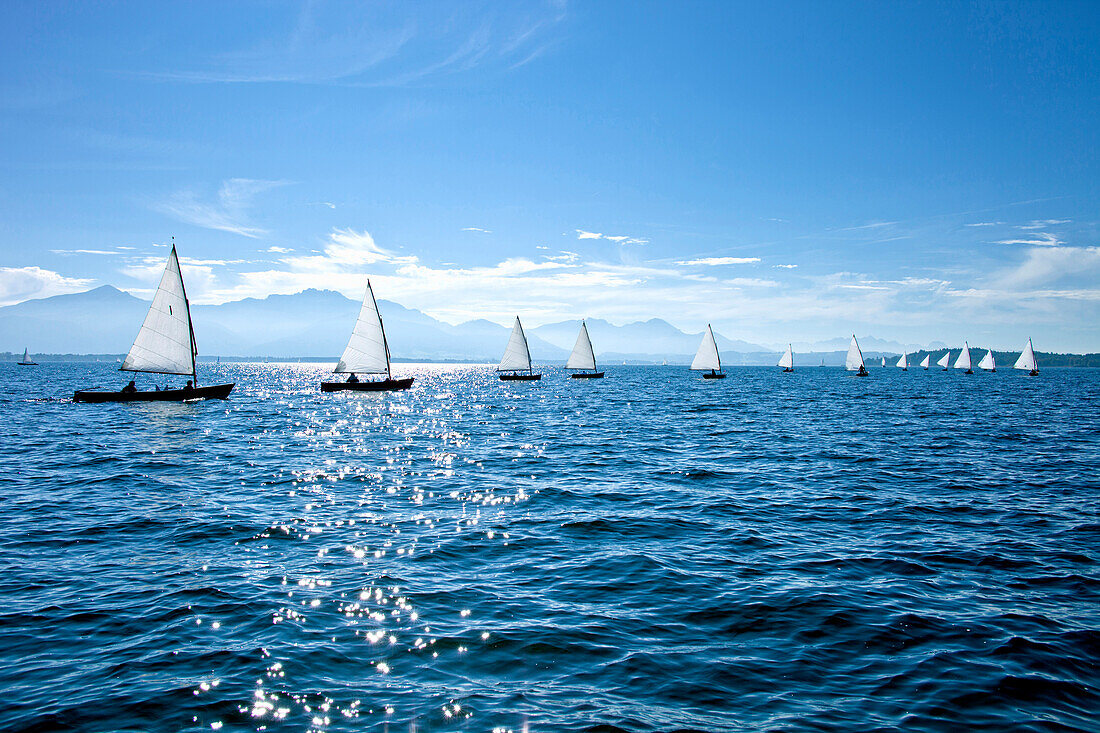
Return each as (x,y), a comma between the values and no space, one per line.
(927,361)
(854,361)
(1027,361)
(367,353)
(164,345)
(884,361)
(26,360)
(707,357)
(903,362)
(963,362)
(988,362)
(945,360)
(517,358)
(822,361)
(583,357)
(787,360)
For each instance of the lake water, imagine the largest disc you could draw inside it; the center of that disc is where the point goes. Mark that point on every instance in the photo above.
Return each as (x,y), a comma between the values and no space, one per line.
(645,552)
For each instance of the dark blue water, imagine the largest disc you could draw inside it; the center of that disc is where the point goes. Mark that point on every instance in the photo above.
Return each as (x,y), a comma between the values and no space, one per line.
(808,551)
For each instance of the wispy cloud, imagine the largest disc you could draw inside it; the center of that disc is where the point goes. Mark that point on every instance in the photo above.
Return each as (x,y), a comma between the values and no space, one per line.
(718,261)
(1043,223)
(279,250)
(477,229)
(785,267)
(84,252)
(616,238)
(25,283)
(227,212)
(1039,240)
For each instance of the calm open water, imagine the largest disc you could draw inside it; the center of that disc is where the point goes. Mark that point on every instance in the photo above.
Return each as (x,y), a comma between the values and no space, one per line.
(808,551)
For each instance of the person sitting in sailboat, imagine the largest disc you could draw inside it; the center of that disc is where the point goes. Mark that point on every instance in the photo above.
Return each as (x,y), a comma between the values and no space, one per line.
(862,371)
(188,387)
(129,388)
(352,378)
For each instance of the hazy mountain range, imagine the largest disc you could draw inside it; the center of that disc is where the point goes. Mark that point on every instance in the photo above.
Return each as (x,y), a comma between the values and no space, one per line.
(316,323)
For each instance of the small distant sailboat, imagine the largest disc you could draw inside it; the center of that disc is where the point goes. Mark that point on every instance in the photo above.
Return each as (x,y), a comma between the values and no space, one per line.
(854,361)
(164,345)
(517,358)
(822,361)
(787,360)
(707,357)
(1027,361)
(963,362)
(26,360)
(884,361)
(945,360)
(903,362)
(927,361)
(367,352)
(583,357)
(988,362)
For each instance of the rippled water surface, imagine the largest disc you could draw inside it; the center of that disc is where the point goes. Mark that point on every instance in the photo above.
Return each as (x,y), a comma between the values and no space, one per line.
(645,552)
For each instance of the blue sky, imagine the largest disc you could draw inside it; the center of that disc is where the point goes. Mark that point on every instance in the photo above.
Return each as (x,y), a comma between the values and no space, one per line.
(788,172)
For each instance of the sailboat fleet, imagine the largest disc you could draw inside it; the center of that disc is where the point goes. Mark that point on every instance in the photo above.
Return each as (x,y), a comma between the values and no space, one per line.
(166,345)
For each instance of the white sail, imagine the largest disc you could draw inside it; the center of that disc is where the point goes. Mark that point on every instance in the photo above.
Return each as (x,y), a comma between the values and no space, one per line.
(884,361)
(903,362)
(854,360)
(707,355)
(1027,359)
(517,357)
(963,362)
(367,351)
(988,362)
(787,360)
(582,356)
(25,359)
(165,344)
(945,360)
(927,360)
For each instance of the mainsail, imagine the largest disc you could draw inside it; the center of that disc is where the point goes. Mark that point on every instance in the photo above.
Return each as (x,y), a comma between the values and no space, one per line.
(707,355)
(582,356)
(787,360)
(854,361)
(927,361)
(884,361)
(988,361)
(963,362)
(945,360)
(1027,359)
(367,351)
(903,362)
(25,355)
(517,357)
(166,343)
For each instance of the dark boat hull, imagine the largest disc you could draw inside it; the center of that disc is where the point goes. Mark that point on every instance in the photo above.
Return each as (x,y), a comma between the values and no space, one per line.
(27,363)
(520,377)
(786,371)
(587,375)
(214,392)
(384,385)
(714,376)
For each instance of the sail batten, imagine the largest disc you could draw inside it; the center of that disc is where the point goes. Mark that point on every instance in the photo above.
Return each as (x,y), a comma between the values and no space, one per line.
(166,342)
(367,351)
(787,360)
(707,358)
(854,360)
(582,356)
(1027,359)
(517,355)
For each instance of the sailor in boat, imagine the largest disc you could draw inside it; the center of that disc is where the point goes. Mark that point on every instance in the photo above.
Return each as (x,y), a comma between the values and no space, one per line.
(862,371)
(188,387)
(352,378)
(129,388)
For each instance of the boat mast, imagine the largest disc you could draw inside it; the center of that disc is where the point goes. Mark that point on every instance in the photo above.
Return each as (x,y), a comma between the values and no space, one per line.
(530,369)
(589,340)
(382,328)
(190,326)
